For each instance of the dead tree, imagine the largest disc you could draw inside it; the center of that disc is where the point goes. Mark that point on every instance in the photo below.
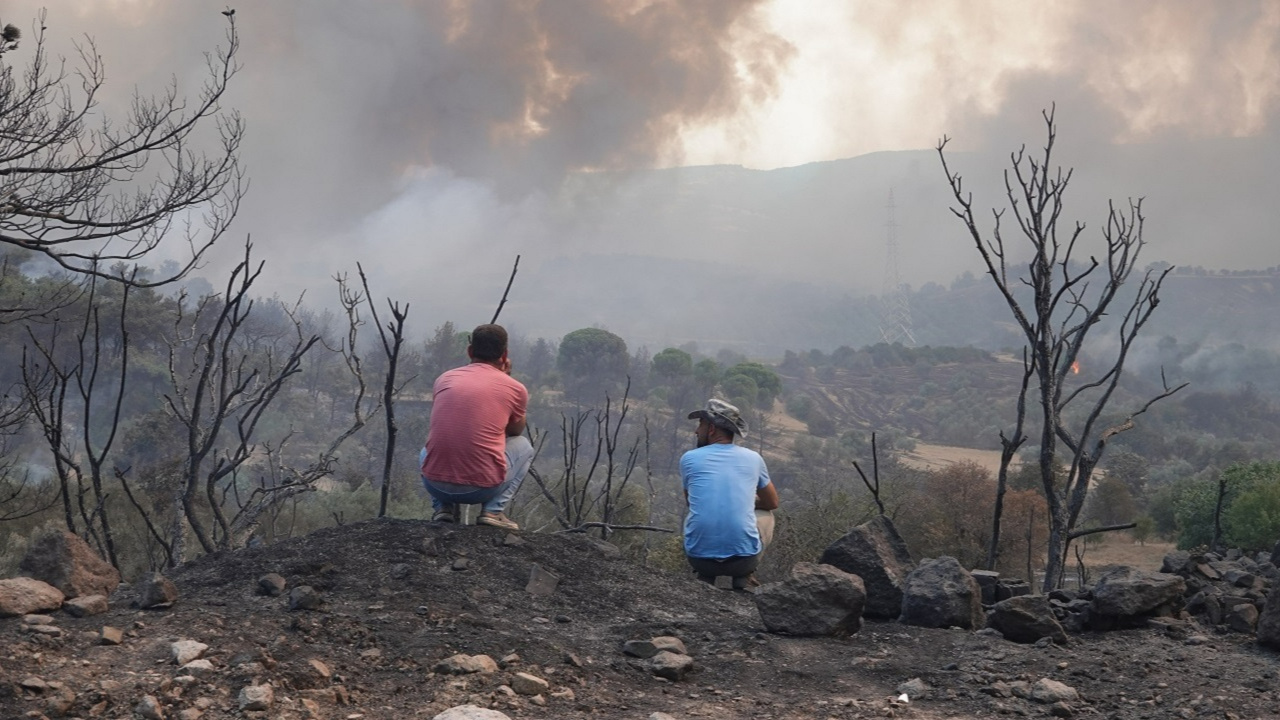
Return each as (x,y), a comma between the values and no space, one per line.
(1009,445)
(219,388)
(391,347)
(97,196)
(1056,318)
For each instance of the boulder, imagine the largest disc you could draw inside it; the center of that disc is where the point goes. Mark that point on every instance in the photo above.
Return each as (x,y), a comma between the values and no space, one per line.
(875,552)
(1242,618)
(526,684)
(815,600)
(305,597)
(24,595)
(155,591)
(941,593)
(66,562)
(1176,562)
(1049,691)
(987,580)
(1026,619)
(256,697)
(1012,587)
(1269,622)
(86,605)
(1128,592)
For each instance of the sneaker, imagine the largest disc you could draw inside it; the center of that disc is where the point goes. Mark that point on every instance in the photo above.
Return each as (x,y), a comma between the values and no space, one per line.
(446,514)
(498,520)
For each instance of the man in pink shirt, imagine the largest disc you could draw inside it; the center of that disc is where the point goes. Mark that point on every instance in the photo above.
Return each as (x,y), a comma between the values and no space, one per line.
(476,452)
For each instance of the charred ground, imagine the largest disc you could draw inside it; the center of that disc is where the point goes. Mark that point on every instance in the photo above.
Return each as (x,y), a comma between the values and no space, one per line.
(401,595)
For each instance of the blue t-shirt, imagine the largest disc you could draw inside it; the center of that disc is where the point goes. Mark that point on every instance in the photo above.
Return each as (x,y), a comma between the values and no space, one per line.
(722,480)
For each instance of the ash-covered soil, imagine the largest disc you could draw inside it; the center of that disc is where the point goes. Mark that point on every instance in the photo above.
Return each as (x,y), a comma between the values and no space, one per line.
(400,596)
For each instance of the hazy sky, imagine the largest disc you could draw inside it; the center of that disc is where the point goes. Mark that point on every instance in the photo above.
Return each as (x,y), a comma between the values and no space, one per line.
(432,139)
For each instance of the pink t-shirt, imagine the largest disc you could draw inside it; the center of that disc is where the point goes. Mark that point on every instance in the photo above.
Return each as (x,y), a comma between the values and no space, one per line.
(467,440)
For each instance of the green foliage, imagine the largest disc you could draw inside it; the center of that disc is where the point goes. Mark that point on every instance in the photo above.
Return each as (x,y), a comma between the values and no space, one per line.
(741,390)
(1110,502)
(1194,500)
(672,365)
(799,406)
(768,384)
(592,361)
(1144,529)
(1253,520)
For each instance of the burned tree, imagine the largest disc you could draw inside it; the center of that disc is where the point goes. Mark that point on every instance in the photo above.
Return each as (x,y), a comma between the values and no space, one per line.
(95,195)
(1056,306)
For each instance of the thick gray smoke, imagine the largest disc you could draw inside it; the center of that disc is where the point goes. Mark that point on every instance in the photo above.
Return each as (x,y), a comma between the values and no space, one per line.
(433,140)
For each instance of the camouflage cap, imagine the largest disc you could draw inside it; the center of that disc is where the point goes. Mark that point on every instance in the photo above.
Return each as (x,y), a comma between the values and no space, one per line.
(722,415)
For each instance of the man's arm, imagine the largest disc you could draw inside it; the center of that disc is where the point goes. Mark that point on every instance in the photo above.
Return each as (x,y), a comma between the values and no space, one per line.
(767,498)
(515,428)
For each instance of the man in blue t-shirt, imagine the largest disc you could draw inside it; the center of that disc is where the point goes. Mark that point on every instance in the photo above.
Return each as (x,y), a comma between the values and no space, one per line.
(731,499)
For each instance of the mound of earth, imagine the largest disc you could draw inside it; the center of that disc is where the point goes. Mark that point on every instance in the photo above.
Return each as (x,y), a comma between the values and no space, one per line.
(399,596)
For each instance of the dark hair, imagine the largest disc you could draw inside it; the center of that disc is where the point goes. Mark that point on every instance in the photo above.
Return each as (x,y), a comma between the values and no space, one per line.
(488,342)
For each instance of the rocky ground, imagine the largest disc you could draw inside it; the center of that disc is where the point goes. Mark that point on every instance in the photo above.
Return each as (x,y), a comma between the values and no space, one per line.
(397,598)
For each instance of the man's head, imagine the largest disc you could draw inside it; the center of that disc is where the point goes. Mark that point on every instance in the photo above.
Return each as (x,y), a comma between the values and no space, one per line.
(718,418)
(488,343)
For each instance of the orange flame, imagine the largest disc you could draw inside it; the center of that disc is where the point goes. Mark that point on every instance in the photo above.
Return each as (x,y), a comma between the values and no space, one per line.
(1075,367)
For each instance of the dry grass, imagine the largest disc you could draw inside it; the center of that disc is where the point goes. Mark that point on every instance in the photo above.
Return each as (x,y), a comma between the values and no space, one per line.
(934,457)
(1120,549)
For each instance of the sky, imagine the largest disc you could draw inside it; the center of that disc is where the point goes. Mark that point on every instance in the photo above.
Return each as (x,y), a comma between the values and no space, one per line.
(433,140)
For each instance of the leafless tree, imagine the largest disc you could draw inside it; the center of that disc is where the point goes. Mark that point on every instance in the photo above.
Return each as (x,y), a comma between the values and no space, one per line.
(1055,307)
(391,346)
(1009,445)
(217,388)
(89,192)
(598,465)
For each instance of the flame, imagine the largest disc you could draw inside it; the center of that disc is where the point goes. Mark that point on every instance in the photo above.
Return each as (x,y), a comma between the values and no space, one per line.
(1075,367)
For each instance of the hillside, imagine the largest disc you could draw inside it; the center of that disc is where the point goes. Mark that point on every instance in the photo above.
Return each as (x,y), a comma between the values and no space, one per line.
(400,596)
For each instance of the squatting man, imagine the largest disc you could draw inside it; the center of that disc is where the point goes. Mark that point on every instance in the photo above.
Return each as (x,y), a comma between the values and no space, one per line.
(731,499)
(476,452)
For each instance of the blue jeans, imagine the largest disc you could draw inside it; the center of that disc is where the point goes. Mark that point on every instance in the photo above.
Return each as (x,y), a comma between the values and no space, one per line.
(494,499)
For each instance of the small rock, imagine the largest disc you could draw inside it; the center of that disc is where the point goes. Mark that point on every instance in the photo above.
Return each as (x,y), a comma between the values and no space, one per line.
(1196,640)
(200,668)
(661,716)
(564,694)
(191,714)
(321,669)
(50,630)
(915,688)
(512,540)
(400,571)
(1051,691)
(271,585)
(111,636)
(86,605)
(461,564)
(1061,709)
(37,619)
(155,592)
(526,684)
(257,697)
(669,644)
(466,665)
(669,665)
(640,648)
(149,708)
(471,712)
(541,583)
(33,683)
(184,651)
(304,597)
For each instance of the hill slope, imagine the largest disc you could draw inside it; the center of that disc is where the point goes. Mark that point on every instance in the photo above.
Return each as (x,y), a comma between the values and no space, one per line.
(395,606)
